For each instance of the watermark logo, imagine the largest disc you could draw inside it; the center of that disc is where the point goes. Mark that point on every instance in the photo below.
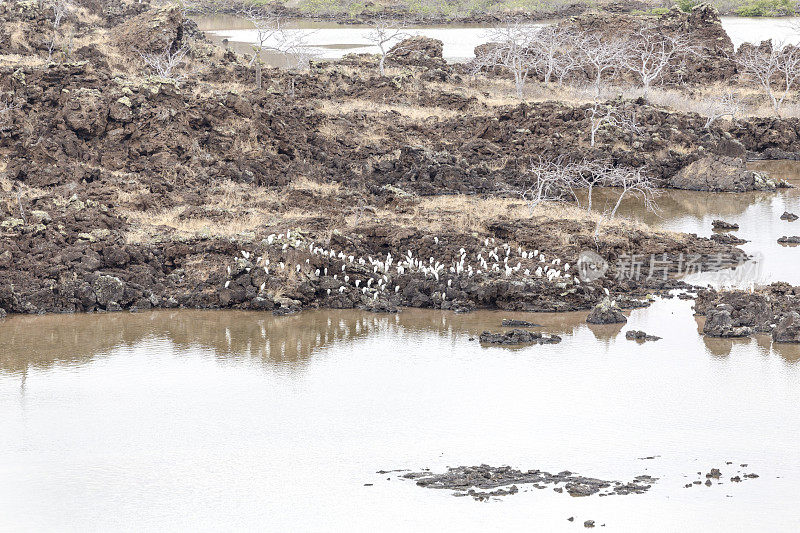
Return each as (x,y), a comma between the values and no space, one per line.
(718,269)
(591,266)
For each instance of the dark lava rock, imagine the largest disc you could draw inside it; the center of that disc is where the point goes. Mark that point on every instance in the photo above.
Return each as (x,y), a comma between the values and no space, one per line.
(108,290)
(588,523)
(517,336)
(513,323)
(720,173)
(467,478)
(637,335)
(720,324)
(791,217)
(794,239)
(727,239)
(788,329)
(722,225)
(606,312)
(2,313)
(715,473)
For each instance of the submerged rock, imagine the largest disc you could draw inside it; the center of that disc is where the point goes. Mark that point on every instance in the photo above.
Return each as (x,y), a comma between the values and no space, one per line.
(517,336)
(606,312)
(638,335)
(727,238)
(466,479)
(788,329)
(514,323)
(723,225)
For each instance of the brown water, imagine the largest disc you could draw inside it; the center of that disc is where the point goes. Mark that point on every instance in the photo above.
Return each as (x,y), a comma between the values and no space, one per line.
(757,213)
(237,420)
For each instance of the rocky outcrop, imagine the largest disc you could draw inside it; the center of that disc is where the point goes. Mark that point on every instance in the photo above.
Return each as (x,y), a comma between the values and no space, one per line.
(788,329)
(729,311)
(606,312)
(719,323)
(517,336)
(152,32)
(789,217)
(641,336)
(718,173)
(724,225)
(417,51)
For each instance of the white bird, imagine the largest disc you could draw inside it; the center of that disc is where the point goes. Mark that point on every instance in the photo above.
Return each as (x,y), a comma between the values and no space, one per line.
(298,268)
(229,270)
(326,271)
(605,291)
(358,282)
(316,273)
(397,288)
(329,292)
(341,289)
(261,288)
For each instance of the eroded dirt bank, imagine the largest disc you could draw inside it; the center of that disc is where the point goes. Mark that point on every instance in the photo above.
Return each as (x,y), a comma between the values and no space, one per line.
(122,189)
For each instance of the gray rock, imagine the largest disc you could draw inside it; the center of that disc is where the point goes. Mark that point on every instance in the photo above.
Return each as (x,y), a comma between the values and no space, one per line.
(791,217)
(517,336)
(513,323)
(108,290)
(723,225)
(606,312)
(788,329)
(720,324)
(794,239)
(637,335)
(3,313)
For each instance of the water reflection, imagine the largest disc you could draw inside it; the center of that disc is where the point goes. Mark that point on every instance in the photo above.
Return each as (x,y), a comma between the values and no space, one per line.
(42,342)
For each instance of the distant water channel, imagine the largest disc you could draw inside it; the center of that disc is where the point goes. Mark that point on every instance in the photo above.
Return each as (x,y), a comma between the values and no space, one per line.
(332,41)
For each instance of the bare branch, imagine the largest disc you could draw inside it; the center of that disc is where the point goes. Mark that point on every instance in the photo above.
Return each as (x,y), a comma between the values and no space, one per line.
(774,67)
(166,64)
(384,32)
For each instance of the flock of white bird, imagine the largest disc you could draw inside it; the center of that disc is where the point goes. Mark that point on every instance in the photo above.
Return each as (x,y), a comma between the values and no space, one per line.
(494,260)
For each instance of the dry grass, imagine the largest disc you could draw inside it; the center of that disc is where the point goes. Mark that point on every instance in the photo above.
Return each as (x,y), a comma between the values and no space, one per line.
(306,184)
(414,113)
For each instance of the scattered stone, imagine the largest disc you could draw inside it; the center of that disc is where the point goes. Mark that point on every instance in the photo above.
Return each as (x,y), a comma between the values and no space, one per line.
(727,238)
(465,479)
(513,323)
(606,312)
(736,479)
(715,473)
(723,225)
(708,483)
(637,335)
(571,519)
(588,523)
(791,217)
(517,336)
(751,476)
(3,313)
(794,239)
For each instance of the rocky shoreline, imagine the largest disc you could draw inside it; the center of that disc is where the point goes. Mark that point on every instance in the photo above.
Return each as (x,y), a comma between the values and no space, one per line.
(124,190)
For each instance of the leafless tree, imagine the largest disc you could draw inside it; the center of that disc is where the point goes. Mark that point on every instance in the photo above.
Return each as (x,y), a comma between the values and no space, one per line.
(293,45)
(268,27)
(167,63)
(776,69)
(611,115)
(549,181)
(632,182)
(551,44)
(726,105)
(60,9)
(601,55)
(652,52)
(384,32)
(512,49)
